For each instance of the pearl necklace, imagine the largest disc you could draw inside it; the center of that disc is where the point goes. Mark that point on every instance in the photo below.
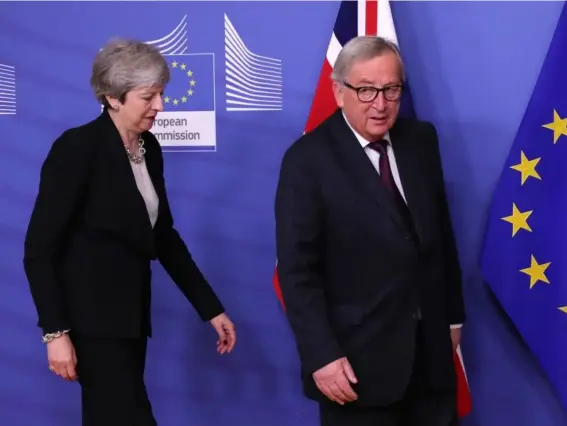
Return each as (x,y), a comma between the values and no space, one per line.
(137,158)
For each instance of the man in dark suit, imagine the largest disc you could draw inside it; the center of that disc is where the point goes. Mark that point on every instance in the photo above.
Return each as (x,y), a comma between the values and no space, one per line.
(367,261)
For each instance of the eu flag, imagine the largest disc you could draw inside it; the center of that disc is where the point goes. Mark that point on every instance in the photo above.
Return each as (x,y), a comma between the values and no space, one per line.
(524,259)
(191,85)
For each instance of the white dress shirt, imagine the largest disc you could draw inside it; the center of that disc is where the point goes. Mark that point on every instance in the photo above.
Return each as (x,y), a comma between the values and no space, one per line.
(374,157)
(147,190)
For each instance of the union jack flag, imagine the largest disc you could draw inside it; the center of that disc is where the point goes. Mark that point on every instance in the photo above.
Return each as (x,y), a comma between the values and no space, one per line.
(354,18)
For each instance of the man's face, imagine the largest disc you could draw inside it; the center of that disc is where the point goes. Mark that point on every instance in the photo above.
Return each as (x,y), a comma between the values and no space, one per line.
(374,118)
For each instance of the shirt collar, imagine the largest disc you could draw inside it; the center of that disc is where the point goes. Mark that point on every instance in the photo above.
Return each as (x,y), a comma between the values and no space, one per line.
(363,142)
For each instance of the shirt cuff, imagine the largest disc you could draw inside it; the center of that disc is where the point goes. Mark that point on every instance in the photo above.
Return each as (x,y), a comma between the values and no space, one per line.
(453,326)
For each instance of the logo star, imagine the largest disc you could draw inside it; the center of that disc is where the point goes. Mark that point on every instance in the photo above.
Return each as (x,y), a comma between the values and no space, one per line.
(518,219)
(527,167)
(558,125)
(536,272)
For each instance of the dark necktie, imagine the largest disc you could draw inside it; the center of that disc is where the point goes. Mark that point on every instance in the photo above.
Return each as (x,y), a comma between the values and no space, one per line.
(388,179)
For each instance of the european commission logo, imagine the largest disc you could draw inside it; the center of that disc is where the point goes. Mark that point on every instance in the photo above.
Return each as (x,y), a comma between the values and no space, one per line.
(253,82)
(188,121)
(7,90)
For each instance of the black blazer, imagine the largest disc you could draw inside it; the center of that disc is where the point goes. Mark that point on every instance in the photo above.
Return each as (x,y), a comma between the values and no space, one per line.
(353,274)
(89,242)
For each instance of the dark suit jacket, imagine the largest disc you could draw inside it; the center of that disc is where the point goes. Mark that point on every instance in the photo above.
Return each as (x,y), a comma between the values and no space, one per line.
(353,275)
(89,242)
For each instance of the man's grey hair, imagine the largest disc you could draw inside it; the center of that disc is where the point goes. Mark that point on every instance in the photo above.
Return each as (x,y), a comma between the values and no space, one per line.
(363,48)
(125,64)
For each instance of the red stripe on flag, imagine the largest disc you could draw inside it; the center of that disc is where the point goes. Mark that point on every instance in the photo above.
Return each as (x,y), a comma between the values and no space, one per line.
(371,17)
(324,103)
(464,400)
(277,288)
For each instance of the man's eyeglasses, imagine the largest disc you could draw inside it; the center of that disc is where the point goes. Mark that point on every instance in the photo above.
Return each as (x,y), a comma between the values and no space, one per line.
(392,92)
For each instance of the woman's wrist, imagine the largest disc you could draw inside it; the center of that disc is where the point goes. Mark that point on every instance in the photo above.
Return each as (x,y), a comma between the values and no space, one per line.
(49,337)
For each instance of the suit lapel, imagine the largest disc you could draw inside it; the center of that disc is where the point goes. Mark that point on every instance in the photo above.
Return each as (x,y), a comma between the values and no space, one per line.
(153,166)
(134,207)
(410,169)
(357,165)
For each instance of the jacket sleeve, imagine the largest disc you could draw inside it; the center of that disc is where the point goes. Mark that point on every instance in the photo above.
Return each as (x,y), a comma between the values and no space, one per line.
(63,180)
(453,277)
(176,259)
(299,227)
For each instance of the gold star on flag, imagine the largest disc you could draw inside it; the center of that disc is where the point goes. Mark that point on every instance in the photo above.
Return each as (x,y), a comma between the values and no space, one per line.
(175,102)
(536,272)
(192,82)
(558,125)
(518,219)
(174,64)
(190,92)
(527,167)
(189,73)
(183,66)
(166,99)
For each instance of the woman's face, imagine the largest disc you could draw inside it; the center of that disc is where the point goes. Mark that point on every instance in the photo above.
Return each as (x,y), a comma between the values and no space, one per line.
(141,105)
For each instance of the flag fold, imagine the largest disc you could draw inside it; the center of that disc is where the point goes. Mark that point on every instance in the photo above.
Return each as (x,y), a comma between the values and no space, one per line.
(525,245)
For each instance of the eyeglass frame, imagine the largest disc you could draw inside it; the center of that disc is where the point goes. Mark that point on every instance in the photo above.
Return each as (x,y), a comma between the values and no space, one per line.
(376,91)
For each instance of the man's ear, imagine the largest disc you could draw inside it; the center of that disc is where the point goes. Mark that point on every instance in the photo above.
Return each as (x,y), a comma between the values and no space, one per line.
(338,91)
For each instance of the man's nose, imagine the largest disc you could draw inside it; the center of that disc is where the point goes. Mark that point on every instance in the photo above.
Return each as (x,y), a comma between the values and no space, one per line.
(380,102)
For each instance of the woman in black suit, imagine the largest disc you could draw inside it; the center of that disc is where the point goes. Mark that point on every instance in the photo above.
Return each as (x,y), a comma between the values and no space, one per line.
(100,217)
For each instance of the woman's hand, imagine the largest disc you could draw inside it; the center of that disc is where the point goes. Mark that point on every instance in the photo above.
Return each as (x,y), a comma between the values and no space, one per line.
(227,335)
(61,357)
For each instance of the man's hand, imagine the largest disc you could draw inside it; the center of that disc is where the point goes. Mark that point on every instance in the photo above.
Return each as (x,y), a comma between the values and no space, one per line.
(334,381)
(227,334)
(456,337)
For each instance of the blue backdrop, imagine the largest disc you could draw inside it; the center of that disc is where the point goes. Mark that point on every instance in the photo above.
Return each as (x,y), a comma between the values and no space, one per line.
(472,67)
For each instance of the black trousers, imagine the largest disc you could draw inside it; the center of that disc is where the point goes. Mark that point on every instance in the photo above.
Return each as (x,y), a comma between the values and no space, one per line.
(421,406)
(111,375)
